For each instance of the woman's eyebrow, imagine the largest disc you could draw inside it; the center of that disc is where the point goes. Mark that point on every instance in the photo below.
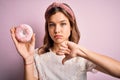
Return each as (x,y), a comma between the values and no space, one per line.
(59,21)
(50,22)
(63,20)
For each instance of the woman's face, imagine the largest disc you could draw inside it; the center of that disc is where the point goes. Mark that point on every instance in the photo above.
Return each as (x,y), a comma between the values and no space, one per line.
(59,27)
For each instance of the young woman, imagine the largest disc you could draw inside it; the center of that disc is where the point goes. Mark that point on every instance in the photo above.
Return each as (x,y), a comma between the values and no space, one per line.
(60,57)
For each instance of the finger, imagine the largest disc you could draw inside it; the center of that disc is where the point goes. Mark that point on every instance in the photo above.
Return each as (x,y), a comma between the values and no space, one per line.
(66,51)
(63,51)
(13,35)
(33,39)
(60,53)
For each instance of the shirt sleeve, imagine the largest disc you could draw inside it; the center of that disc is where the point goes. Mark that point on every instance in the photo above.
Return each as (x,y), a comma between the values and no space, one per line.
(91,66)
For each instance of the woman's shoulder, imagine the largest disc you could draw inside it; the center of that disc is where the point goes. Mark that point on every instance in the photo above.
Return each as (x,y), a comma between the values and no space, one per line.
(38,52)
(41,50)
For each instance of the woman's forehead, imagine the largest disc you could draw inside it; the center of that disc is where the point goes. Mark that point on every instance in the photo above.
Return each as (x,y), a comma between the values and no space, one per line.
(59,17)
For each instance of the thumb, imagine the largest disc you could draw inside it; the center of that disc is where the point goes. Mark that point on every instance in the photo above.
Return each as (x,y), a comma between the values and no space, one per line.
(67,57)
(70,44)
(33,39)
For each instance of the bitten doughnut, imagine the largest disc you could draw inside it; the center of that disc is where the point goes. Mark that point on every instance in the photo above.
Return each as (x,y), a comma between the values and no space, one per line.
(23,33)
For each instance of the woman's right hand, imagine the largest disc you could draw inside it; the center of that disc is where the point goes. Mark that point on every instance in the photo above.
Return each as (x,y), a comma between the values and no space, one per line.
(26,49)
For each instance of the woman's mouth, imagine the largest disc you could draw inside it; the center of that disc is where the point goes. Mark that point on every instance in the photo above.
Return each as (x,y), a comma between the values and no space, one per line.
(58,36)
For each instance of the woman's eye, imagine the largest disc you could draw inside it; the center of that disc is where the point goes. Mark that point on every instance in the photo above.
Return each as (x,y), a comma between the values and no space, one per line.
(63,24)
(51,25)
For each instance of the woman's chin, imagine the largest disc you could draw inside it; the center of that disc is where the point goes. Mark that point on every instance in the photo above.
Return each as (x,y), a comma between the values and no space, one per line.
(59,41)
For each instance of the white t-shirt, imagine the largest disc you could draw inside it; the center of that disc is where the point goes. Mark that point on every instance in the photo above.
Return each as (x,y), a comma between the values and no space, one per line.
(48,66)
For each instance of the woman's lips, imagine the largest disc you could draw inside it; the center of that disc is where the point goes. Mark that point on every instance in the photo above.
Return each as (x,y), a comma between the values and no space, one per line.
(58,36)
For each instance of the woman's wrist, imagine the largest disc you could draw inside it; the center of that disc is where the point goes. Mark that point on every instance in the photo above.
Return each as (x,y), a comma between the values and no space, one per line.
(82,52)
(29,60)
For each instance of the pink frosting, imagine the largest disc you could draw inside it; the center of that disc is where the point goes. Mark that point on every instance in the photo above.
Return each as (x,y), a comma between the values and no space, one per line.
(24,33)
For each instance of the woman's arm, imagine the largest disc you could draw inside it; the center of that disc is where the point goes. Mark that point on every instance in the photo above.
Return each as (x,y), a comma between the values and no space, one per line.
(26,50)
(104,63)
(29,69)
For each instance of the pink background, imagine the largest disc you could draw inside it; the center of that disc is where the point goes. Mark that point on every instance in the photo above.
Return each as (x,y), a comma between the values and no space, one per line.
(98,21)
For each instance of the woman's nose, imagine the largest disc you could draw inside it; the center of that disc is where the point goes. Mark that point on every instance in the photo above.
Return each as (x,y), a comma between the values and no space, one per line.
(57,29)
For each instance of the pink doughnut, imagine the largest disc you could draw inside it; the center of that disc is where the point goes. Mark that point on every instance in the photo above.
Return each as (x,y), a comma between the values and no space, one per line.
(24,33)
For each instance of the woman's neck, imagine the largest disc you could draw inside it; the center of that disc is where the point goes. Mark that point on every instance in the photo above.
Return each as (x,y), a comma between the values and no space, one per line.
(55,47)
